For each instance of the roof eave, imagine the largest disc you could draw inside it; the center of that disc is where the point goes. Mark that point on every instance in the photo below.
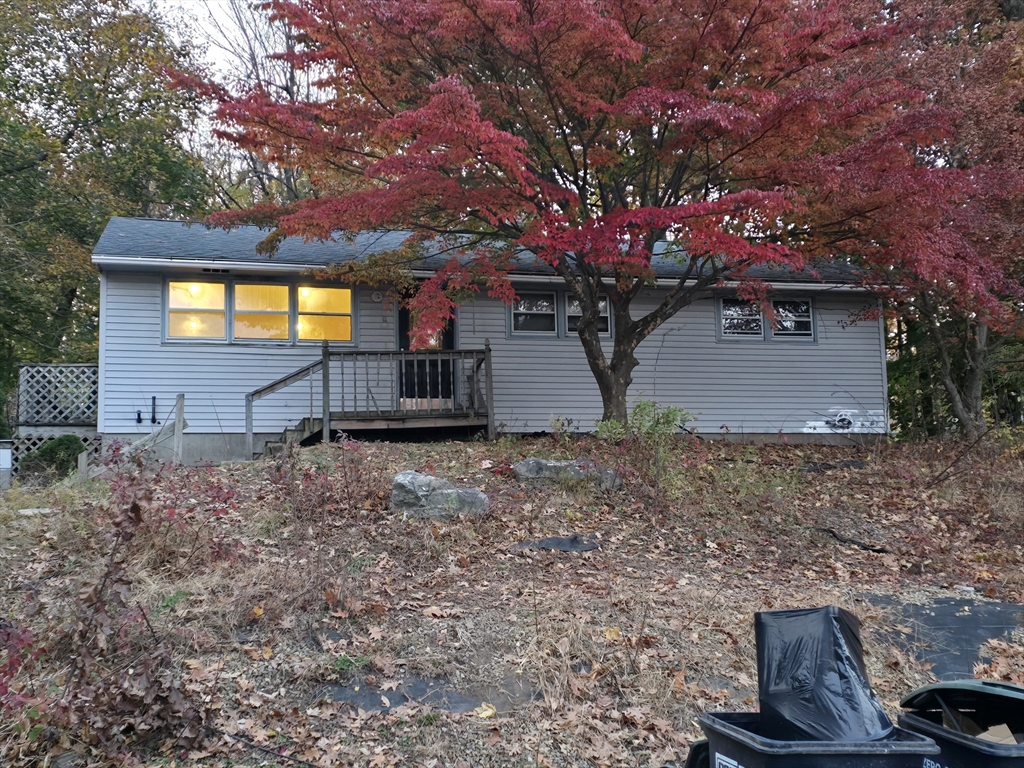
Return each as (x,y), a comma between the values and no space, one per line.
(151,262)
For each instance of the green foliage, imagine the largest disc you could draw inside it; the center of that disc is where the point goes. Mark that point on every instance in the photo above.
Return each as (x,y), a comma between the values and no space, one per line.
(346,663)
(89,128)
(649,423)
(57,457)
(644,440)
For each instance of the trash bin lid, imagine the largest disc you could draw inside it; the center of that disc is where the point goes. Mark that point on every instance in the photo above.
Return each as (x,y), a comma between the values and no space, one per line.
(954,691)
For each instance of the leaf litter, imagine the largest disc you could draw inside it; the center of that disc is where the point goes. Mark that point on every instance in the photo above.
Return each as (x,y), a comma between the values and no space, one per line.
(272,584)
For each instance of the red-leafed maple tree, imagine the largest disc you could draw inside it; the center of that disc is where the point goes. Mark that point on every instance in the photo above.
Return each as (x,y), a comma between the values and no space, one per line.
(734,133)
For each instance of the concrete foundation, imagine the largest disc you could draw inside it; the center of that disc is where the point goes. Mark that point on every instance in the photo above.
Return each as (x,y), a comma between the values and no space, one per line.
(199,449)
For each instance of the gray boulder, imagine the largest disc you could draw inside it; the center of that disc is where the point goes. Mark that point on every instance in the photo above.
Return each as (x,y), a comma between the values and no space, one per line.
(431,497)
(581,469)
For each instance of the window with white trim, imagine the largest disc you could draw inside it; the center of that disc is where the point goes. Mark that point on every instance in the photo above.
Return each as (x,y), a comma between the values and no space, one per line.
(574,313)
(259,312)
(741,319)
(324,314)
(792,319)
(196,310)
(535,313)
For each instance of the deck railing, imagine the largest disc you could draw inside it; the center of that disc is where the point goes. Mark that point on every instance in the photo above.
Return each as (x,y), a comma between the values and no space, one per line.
(359,385)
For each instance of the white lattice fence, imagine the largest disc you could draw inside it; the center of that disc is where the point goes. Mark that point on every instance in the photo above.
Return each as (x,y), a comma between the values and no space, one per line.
(55,395)
(25,444)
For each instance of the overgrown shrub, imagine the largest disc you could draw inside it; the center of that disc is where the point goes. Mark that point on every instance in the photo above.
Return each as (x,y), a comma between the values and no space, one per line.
(646,437)
(55,458)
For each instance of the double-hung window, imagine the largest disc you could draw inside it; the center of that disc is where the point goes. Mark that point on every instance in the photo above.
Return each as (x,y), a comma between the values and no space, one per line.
(741,319)
(792,319)
(535,313)
(246,312)
(261,312)
(574,313)
(554,313)
(324,314)
(196,310)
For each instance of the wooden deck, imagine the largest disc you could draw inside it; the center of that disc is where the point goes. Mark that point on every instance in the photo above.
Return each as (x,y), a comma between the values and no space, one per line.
(391,390)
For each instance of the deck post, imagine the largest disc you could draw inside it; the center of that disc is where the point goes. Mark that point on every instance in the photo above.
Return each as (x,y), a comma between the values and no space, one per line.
(326,399)
(179,427)
(489,384)
(248,427)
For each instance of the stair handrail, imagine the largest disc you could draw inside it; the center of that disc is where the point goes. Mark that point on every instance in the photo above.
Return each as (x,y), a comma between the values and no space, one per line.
(482,356)
(269,389)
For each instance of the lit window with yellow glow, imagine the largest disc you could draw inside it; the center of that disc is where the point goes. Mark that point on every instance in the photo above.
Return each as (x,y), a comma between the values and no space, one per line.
(261,312)
(195,310)
(324,314)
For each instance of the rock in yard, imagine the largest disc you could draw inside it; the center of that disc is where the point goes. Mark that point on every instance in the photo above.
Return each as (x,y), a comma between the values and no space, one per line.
(431,497)
(581,469)
(36,511)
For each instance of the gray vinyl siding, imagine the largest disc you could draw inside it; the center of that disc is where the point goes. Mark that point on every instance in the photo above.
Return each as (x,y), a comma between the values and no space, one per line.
(137,365)
(737,387)
(733,387)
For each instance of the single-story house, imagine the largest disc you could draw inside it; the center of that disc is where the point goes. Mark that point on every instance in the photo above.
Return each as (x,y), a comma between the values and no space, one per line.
(187,310)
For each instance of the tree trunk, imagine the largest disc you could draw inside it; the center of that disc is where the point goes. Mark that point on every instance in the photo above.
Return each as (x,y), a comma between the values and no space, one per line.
(966,401)
(615,376)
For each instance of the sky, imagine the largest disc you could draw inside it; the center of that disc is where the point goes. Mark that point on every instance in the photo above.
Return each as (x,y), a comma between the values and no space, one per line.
(202,18)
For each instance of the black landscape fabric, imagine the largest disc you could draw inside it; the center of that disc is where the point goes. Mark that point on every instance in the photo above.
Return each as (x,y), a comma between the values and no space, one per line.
(811,679)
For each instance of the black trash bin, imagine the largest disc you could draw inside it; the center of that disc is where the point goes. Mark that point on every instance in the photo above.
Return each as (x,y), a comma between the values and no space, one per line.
(699,756)
(735,741)
(956,714)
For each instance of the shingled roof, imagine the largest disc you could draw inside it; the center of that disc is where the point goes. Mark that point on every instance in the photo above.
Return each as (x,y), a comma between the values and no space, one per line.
(151,240)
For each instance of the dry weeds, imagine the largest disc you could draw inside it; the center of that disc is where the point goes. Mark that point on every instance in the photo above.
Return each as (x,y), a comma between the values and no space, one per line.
(273,581)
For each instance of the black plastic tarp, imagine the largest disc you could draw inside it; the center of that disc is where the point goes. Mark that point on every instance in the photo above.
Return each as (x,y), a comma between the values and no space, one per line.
(812,683)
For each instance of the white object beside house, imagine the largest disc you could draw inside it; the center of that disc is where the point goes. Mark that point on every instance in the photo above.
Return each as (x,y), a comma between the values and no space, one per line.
(187,309)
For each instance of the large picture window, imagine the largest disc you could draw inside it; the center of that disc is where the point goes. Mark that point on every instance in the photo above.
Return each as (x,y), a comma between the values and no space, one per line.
(196,310)
(259,312)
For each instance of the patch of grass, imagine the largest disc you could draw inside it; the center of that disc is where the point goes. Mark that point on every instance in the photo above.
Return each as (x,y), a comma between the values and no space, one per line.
(172,601)
(359,564)
(428,720)
(346,663)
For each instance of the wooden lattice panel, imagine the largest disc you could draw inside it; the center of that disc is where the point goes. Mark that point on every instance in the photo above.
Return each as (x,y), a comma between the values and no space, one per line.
(57,394)
(26,444)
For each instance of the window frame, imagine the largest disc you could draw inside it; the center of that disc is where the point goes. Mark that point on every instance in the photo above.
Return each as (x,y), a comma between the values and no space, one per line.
(287,313)
(805,337)
(168,309)
(562,297)
(296,314)
(572,332)
(554,333)
(229,339)
(729,336)
(768,333)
